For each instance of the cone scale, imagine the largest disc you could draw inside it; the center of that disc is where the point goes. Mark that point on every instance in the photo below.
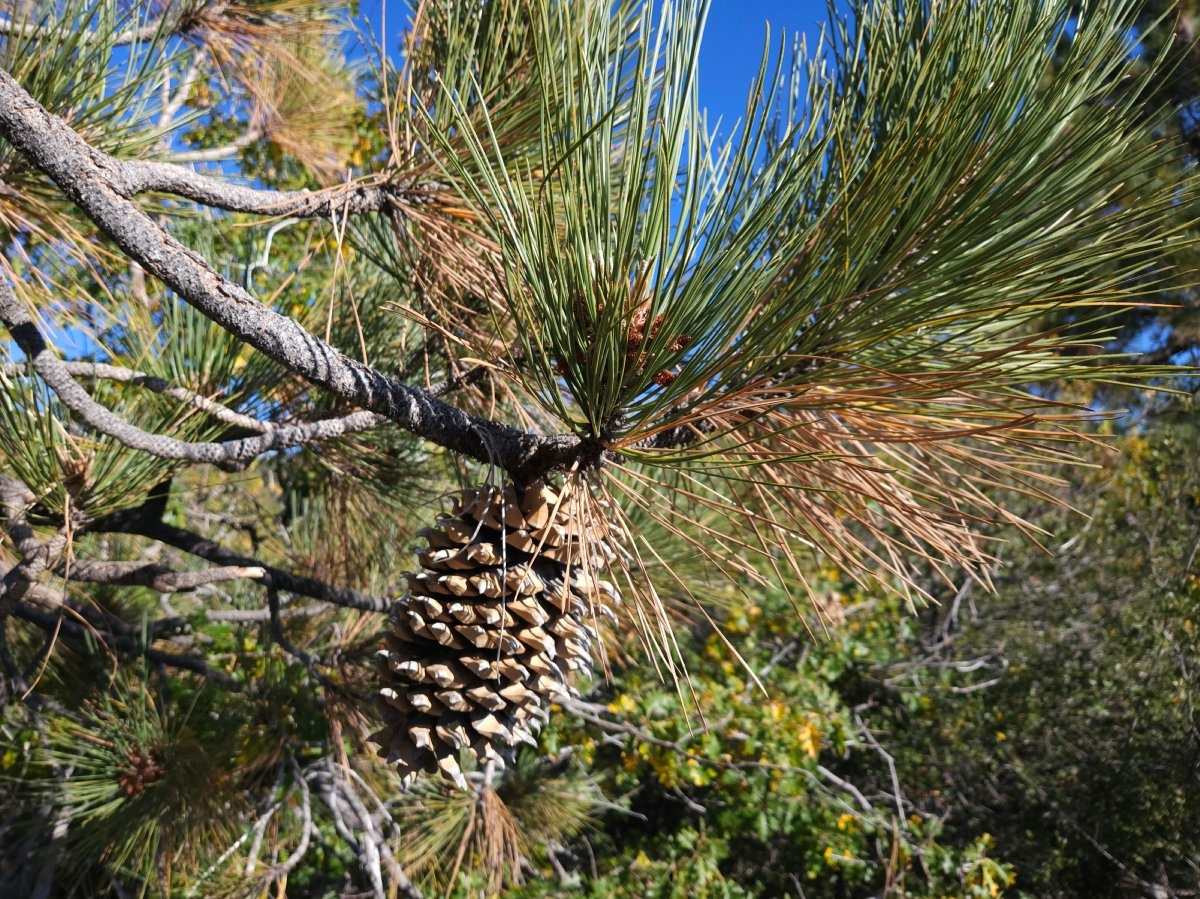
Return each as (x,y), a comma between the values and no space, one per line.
(497,624)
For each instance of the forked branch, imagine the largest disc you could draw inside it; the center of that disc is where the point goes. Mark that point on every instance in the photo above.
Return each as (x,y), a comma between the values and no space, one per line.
(54,372)
(96,183)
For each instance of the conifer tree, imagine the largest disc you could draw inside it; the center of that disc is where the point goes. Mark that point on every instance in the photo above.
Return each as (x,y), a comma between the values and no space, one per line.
(271,307)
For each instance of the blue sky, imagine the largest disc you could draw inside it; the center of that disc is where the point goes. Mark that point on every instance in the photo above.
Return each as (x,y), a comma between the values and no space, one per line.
(730,54)
(733,45)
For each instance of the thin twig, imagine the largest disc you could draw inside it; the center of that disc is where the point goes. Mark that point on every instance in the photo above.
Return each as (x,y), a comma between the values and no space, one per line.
(153,575)
(891,764)
(217,154)
(843,784)
(260,826)
(221,859)
(53,371)
(173,102)
(284,868)
(123,643)
(121,375)
(310,661)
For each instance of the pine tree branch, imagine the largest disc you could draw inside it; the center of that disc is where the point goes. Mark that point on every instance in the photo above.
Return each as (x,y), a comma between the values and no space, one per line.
(129,178)
(15,498)
(152,574)
(38,556)
(122,375)
(54,372)
(150,525)
(146,521)
(94,182)
(35,555)
(146,32)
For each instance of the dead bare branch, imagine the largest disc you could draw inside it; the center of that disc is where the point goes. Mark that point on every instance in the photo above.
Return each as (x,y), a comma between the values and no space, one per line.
(152,574)
(122,375)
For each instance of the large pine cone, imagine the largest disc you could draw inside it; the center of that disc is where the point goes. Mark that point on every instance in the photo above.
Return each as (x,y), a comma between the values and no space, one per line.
(499,621)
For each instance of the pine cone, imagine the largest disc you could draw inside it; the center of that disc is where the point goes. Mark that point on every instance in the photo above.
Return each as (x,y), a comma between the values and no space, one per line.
(499,621)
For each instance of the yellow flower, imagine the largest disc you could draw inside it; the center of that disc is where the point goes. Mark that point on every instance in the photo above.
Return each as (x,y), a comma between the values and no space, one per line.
(622,704)
(810,740)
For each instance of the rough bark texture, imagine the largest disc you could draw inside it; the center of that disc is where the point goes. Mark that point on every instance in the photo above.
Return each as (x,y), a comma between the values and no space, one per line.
(138,177)
(97,184)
